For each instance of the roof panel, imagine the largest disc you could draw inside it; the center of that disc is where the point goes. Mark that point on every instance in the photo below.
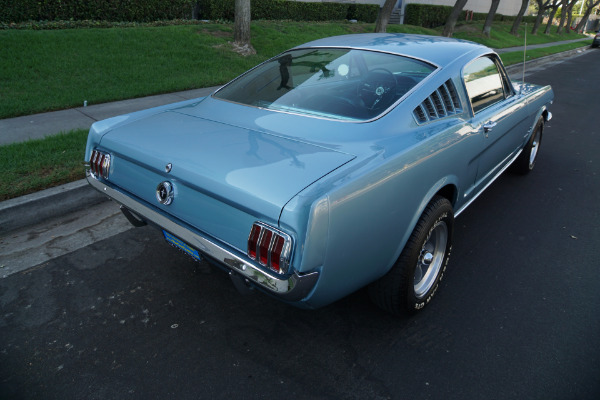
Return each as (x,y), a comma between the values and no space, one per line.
(438,50)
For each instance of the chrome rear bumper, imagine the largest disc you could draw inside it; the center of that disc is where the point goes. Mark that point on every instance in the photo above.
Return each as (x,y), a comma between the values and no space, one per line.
(292,288)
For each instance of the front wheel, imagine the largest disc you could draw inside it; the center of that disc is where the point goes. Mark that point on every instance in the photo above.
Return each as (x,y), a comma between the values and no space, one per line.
(526,160)
(414,279)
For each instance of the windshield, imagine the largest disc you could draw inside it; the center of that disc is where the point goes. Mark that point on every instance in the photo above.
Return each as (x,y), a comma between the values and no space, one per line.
(331,83)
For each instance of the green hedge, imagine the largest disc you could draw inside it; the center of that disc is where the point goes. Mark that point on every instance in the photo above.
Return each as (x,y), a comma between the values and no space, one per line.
(109,10)
(425,15)
(290,10)
(153,10)
(430,16)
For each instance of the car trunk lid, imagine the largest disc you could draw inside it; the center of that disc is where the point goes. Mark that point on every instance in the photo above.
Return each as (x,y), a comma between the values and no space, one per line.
(218,171)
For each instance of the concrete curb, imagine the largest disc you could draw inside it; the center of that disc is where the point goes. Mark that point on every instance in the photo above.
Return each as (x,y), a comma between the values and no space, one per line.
(38,207)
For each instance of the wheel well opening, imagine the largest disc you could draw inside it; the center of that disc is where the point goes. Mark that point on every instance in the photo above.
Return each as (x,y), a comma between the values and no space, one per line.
(449,192)
(546,115)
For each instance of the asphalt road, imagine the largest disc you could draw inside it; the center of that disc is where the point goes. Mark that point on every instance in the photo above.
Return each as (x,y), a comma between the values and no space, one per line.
(517,316)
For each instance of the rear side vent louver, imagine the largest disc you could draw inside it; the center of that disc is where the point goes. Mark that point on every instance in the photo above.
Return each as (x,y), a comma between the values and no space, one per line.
(441,103)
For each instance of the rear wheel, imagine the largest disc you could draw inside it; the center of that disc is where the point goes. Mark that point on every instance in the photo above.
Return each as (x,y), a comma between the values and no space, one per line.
(526,160)
(414,279)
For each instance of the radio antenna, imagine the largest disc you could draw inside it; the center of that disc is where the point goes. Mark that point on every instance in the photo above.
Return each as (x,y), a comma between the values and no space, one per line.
(524,58)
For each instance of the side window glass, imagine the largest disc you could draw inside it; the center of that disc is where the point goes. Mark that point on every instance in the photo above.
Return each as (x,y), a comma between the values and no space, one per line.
(483,82)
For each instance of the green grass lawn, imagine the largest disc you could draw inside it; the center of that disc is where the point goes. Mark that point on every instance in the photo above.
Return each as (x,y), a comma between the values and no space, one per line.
(44,70)
(515,57)
(500,36)
(38,164)
(51,70)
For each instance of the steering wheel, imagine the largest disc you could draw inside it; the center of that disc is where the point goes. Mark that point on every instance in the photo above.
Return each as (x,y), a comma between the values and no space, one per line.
(377,89)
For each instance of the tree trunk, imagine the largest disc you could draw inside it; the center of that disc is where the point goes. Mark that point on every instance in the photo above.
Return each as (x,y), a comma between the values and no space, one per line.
(565,17)
(241,30)
(384,16)
(487,27)
(569,19)
(453,17)
(551,16)
(515,27)
(540,15)
(581,25)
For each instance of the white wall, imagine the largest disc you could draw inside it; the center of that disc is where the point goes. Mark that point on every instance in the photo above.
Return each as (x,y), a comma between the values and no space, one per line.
(380,2)
(506,7)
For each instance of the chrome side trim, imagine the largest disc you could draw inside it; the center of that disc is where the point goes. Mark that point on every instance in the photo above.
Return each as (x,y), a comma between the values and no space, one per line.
(468,203)
(292,288)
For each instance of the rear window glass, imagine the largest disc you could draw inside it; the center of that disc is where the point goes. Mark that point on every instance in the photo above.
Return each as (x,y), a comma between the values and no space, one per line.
(331,83)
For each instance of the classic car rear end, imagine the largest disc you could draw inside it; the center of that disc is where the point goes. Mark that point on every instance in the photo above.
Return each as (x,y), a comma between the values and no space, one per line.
(205,182)
(338,164)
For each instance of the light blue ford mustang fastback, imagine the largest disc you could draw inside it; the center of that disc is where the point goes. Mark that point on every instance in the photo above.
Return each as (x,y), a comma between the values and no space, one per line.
(338,164)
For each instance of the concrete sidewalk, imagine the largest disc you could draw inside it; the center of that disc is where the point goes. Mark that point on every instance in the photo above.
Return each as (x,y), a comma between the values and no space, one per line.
(540,46)
(21,129)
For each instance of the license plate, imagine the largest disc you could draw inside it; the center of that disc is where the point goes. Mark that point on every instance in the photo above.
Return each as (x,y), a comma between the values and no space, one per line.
(181,245)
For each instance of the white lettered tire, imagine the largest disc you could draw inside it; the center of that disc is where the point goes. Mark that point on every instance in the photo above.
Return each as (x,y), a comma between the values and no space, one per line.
(415,277)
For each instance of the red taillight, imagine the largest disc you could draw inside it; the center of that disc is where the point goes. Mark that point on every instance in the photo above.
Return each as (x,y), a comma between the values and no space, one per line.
(276,250)
(100,164)
(263,248)
(253,241)
(270,247)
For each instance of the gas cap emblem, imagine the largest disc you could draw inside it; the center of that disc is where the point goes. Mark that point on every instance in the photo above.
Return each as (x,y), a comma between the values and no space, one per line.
(164,193)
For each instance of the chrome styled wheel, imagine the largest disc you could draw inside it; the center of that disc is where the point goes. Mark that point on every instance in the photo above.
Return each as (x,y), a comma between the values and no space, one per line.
(534,147)
(431,259)
(526,160)
(414,279)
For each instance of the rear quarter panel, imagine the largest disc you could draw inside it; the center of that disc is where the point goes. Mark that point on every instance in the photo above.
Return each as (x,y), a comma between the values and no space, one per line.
(367,210)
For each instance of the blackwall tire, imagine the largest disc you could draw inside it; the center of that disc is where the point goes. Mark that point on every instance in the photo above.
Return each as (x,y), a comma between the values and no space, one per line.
(415,277)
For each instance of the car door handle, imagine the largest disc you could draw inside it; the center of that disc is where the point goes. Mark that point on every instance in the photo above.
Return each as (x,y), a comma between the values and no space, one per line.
(488,126)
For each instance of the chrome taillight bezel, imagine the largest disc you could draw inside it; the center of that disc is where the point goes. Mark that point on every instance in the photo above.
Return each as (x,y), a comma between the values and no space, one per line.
(278,249)
(100,164)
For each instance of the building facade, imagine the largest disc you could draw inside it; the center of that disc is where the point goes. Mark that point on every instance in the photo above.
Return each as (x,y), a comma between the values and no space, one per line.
(506,7)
